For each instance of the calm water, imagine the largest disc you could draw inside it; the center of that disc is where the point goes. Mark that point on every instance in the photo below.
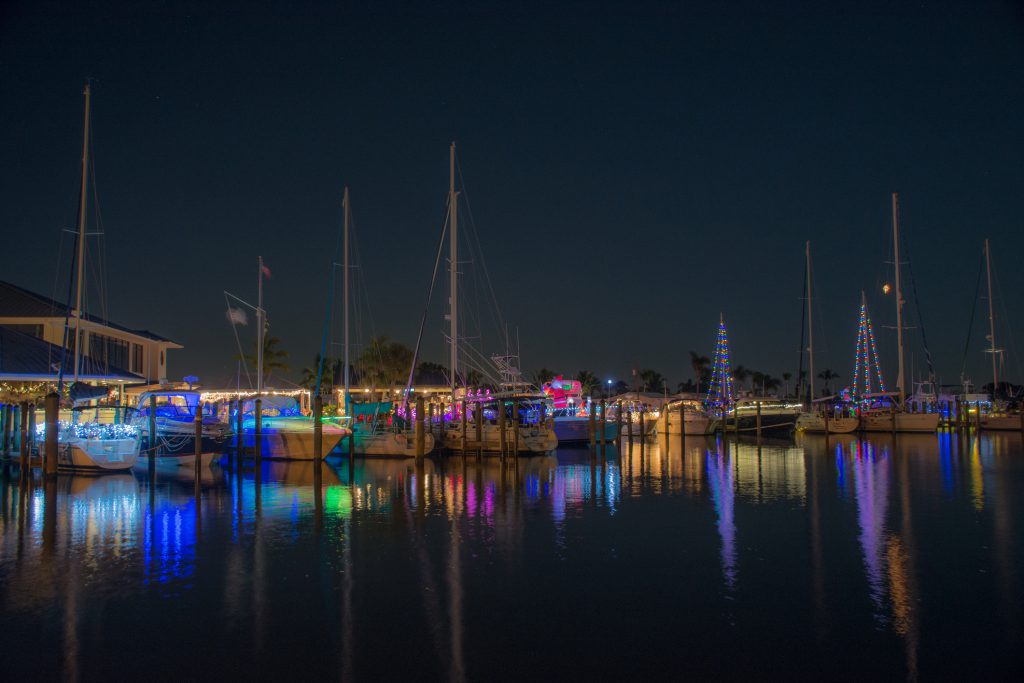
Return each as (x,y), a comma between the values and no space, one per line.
(872,557)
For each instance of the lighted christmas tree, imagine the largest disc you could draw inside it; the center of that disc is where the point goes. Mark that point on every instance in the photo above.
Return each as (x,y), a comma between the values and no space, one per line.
(720,390)
(866,356)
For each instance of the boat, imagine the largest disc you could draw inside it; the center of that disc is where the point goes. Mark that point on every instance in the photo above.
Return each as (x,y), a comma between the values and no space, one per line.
(570,413)
(886,411)
(999,418)
(285,433)
(375,430)
(830,415)
(90,445)
(822,415)
(773,415)
(94,447)
(696,421)
(481,427)
(175,420)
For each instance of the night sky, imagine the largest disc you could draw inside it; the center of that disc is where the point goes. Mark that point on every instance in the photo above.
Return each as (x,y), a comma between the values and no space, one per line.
(632,169)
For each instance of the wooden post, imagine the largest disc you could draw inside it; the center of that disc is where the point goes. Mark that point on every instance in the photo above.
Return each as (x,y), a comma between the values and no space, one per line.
(318,428)
(478,424)
(826,420)
(31,434)
(420,437)
(629,427)
(430,417)
(604,421)
(463,420)
(239,433)
(16,428)
(198,442)
(592,425)
(5,427)
(977,418)
(23,437)
(151,445)
(257,434)
(618,423)
(515,428)
(643,428)
(668,446)
(682,427)
(502,440)
(52,420)
(759,420)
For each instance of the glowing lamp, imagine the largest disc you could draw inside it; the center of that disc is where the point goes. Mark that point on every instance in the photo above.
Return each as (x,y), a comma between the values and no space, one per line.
(886,288)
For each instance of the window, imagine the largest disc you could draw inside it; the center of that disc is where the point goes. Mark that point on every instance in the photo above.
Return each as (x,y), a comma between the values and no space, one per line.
(136,359)
(108,351)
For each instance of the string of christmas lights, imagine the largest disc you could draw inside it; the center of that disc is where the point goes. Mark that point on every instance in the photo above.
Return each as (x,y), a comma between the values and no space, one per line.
(865,355)
(720,390)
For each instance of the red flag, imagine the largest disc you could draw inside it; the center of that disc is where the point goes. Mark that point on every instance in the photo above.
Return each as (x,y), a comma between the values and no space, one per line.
(266,271)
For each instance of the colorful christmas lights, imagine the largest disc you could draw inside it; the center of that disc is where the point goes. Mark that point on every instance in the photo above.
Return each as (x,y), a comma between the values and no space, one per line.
(720,392)
(865,355)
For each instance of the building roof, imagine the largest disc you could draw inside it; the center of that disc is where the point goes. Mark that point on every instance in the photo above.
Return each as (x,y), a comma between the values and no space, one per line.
(24,358)
(16,302)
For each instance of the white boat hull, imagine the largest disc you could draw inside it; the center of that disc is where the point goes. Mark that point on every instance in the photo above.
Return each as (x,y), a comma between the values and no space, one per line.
(694,424)
(387,444)
(107,455)
(816,424)
(291,438)
(904,422)
(531,439)
(1002,422)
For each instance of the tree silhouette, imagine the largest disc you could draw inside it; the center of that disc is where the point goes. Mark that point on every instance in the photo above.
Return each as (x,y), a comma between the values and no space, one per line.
(587,381)
(827,376)
(701,366)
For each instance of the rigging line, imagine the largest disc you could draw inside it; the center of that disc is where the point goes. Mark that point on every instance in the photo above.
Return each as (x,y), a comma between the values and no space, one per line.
(328,307)
(803,324)
(53,292)
(473,232)
(1007,327)
(101,248)
(238,342)
(970,324)
(426,306)
(917,309)
(67,315)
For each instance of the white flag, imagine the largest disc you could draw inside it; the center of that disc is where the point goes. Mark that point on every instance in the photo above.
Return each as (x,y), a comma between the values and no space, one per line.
(237,316)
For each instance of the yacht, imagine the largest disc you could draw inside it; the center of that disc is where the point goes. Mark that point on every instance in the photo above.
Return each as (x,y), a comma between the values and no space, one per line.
(175,420)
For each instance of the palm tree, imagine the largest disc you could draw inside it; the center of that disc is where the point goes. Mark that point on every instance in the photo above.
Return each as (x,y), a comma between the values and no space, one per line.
(273,357)
(652,380)
(786,376)
(543,376)
(587,381)
(687,387)
(428,372)
(385,362)
(701,368)
(740,374)
(827,376)
(769,383)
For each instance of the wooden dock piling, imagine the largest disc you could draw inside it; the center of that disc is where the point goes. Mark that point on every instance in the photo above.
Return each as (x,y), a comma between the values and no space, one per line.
(592,424)
(604,422)
(618,424)
(465,426)
(239,443)
(420,437)
(502,435)
(5,424)
(629,427)
(318,429)
(152,441)
(758,419)
(515,428)
(23,437)
(257,433)
(52,418)
(682,427)
(198,431)
(478,424)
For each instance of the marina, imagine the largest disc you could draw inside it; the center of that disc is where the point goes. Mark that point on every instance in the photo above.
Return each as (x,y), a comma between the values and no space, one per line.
(645,341)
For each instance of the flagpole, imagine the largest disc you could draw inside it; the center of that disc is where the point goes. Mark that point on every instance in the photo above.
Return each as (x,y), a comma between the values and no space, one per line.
(259,333)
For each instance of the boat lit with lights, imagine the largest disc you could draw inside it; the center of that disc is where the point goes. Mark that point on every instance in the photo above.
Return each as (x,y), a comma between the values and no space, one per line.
(175,420)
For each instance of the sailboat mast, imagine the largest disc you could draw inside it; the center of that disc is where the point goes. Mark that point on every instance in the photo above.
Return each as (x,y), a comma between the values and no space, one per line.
(344,289)
(453,257)
(81,231)
(991,321)
(810,326)
(900,386)
(259,332)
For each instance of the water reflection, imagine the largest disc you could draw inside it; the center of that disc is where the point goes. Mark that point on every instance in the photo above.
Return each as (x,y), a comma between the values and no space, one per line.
(453,547)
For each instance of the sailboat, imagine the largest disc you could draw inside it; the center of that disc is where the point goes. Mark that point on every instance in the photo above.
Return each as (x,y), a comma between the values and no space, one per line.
(89,445)
(371,437)
(894,417)
(285,433)
(821,416)
(522,414)
(996,420)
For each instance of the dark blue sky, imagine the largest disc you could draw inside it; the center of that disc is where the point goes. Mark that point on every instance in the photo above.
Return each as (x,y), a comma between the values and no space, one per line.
(634,169)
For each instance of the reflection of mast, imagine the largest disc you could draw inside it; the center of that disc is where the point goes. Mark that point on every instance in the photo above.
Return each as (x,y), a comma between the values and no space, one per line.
(902,582)
(721,481)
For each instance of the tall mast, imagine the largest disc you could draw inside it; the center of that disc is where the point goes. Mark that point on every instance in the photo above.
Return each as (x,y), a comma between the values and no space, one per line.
(900,386)
(344,289)
(259,333)
(810,327)
(81,232)
(453,258)
(991,321)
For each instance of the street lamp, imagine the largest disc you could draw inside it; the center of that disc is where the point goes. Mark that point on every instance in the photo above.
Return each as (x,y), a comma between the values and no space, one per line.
(608,391)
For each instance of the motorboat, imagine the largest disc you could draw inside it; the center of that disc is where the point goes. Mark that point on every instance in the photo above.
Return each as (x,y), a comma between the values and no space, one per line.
(175,441)
(695,422)
(94,447)
(285,433)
